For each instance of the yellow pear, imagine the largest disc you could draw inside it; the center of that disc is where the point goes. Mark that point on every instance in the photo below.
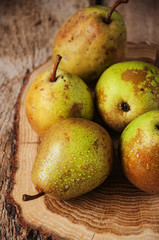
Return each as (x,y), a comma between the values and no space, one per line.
(75,156)
(54,96)
(91,40)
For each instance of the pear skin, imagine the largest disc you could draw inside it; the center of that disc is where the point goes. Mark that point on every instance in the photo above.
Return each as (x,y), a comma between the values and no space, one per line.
(125,91)
(88,44)
(74,157)
(139,147)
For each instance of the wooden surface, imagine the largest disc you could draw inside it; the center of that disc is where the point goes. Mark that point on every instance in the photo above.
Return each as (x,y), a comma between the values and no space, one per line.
(27,29)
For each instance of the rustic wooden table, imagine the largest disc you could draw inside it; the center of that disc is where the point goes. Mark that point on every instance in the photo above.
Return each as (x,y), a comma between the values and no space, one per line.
(27,29)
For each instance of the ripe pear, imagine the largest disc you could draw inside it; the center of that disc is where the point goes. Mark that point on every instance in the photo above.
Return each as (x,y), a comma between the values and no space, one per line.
(139,147)
(91,40)
(74,157)
(56,95)
(125,91)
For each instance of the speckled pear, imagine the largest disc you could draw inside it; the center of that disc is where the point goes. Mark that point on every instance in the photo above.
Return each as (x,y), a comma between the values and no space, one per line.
(49,101)
(125,91)
(91,40)
(74,157)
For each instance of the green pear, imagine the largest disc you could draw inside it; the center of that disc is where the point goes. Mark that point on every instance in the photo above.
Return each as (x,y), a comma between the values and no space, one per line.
(74,157)
(54,96)
(91,40)
(139,147)
(125,91)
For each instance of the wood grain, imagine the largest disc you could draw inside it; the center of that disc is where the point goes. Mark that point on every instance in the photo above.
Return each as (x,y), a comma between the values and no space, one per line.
(115,210)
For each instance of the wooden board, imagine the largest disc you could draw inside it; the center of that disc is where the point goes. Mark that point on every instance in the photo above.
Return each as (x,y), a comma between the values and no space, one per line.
(115,210)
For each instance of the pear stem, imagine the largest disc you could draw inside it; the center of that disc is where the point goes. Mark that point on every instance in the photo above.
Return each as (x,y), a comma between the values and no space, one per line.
(57,61)
(26,197)
(115,5)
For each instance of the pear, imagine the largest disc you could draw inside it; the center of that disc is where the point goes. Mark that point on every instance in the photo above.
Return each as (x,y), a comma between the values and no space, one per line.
(139,147)
(74,157)
(126,90)
(56,95)
(91,40)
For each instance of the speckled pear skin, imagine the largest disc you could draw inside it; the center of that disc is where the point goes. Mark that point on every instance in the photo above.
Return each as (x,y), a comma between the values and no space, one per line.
(88,45)
(135,83)
(139,144)
(74,157)
(49,102)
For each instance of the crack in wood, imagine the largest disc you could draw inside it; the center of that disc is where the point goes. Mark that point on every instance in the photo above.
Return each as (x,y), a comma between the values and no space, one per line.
(93,236)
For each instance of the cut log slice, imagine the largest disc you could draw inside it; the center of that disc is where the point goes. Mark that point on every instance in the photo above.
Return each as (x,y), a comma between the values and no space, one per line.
(115,210)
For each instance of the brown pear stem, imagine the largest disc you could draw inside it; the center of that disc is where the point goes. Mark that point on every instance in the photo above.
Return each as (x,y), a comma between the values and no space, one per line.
(115,5)
(57,61)
(26,197)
